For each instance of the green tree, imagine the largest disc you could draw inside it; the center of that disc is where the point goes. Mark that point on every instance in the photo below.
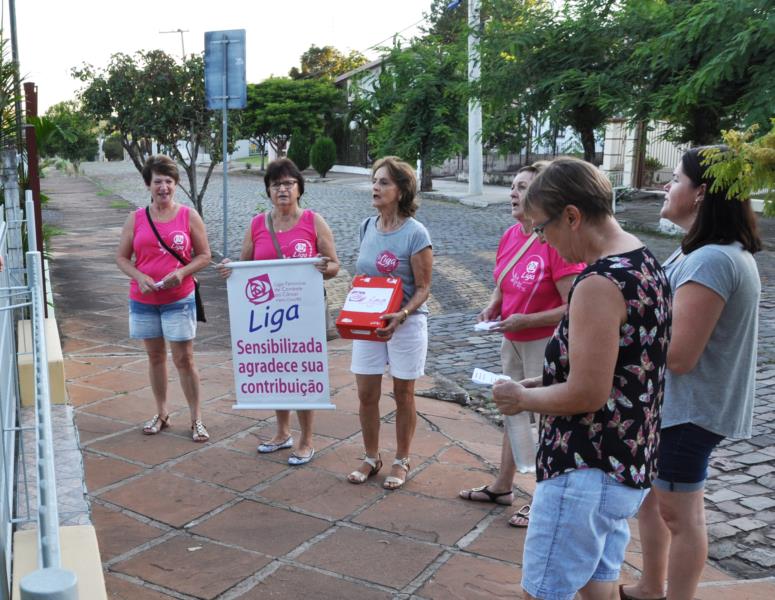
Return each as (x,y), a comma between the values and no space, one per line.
(747,166)
(112,148)
(418,106)
(8,73)
(556,63)
(279,105)
(708,68)
(151,96)
(326,63)
(298,151)
(73,134)
(322,155)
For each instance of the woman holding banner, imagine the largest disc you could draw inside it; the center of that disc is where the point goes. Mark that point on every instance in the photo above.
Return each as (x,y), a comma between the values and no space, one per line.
(288,231)
(169,244)
(393,243)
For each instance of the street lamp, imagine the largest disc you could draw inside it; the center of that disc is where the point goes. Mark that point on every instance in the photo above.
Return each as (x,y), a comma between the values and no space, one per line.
(182,44)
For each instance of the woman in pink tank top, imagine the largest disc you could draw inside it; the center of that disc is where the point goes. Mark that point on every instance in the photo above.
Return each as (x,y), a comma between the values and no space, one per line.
(161,294)
(528,301)
(300,234)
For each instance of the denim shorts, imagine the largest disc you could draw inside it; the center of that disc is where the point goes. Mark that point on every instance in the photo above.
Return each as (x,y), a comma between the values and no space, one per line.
(578,532)
(682,457)
(175,322)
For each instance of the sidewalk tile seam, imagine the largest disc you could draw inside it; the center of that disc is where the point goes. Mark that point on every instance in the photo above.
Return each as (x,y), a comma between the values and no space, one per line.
(132,552)
(427,573)
(142,583)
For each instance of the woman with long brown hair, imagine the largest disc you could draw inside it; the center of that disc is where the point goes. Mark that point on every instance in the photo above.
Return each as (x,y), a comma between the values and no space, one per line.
(711,368)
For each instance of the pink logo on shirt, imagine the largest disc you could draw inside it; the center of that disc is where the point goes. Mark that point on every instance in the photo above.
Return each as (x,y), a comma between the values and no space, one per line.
(387,262)
(301,249)
(259,289)
(179,241)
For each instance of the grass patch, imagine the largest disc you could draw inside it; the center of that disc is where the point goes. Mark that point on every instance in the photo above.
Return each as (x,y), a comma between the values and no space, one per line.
(50,231)
(254,160)
(103,193)
(120,204)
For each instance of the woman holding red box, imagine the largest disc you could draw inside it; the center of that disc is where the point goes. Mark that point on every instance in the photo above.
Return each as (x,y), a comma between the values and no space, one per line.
(394,244)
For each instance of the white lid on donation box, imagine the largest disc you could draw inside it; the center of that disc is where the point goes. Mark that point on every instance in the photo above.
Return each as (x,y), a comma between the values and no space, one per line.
(368,300)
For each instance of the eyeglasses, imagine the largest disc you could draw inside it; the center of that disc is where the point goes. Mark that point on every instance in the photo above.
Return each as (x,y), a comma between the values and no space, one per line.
(539,229)
(283,184)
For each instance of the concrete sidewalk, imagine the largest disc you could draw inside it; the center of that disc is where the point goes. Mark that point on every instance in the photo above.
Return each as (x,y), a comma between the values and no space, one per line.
(177,519)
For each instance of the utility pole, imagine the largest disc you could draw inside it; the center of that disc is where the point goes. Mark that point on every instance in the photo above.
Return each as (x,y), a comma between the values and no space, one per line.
(475,172)
(182,44)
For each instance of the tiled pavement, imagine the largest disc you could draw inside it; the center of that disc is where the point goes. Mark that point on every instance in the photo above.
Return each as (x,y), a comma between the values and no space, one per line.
(181,520)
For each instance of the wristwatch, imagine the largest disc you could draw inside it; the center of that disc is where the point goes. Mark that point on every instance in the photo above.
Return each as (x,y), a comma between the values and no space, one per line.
(406,315)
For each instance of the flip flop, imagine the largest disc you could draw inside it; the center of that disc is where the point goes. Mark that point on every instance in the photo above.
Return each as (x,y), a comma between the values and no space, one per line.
(497,498)
(625,596)
(296,459)
(268,447)
(522,513)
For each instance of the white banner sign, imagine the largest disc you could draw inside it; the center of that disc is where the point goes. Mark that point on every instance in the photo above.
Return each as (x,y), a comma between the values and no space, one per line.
(278,335)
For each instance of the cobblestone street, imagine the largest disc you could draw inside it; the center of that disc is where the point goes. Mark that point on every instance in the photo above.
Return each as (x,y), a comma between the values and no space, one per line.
(741,489)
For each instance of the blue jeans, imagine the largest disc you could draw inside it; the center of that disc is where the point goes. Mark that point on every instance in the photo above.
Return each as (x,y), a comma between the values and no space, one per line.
(578,532)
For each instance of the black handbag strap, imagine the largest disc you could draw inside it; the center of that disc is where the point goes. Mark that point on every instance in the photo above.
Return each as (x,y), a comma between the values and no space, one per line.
(161,241)
(270,229)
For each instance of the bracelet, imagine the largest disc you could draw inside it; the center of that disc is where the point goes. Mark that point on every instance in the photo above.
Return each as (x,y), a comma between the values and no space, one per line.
(406,315)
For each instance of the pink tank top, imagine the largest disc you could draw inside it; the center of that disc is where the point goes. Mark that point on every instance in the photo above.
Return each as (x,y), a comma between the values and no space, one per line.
(152,259)
(530,287)
(300,241)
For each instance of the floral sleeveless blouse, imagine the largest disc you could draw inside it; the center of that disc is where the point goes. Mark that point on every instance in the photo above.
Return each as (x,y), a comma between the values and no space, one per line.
(621,437)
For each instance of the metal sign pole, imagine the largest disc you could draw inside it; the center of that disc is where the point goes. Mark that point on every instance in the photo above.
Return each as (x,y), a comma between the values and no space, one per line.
(225,88)
(224,152)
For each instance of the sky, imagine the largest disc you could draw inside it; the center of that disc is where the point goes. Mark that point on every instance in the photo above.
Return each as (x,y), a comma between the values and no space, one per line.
(56,35)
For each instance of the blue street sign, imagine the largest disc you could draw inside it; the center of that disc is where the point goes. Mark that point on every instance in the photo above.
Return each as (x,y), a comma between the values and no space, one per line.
(225,66)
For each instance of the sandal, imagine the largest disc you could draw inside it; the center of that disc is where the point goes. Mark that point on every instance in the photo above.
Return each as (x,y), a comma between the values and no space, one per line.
(199,432)
(268,447)
(156,425)
(495,497)
(392,482)
(625,596)
(359,477)
(523,514)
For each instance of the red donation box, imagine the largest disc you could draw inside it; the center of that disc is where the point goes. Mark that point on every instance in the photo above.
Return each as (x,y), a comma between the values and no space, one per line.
(369,298)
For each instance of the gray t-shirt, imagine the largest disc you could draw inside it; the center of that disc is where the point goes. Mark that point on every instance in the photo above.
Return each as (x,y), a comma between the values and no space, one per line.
(718,394)
(382,254)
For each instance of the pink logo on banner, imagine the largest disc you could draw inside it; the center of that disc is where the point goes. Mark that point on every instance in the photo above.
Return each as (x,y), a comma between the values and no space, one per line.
(301,249)
(259,289)
(356,296)
(387,262)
